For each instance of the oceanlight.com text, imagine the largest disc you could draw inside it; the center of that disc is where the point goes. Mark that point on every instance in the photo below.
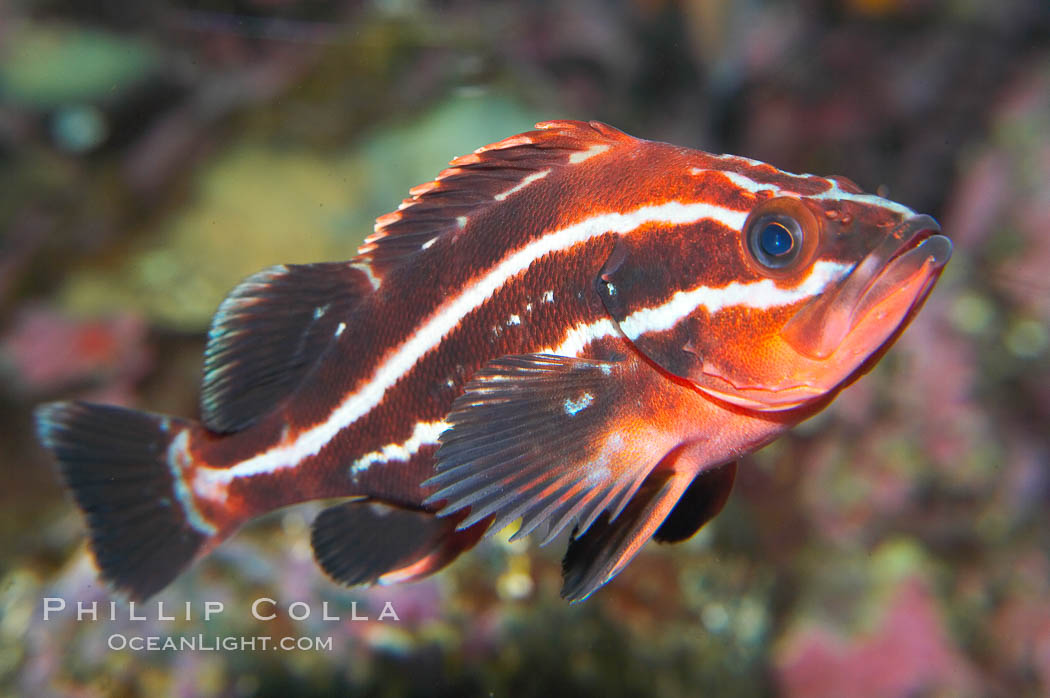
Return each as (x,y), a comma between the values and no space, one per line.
(213,643)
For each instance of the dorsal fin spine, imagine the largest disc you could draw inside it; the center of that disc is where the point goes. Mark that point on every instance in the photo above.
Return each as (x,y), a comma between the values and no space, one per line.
(478,179)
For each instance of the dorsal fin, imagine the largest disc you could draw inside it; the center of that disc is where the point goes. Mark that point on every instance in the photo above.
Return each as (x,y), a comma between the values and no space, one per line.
(483,178)
(269,331)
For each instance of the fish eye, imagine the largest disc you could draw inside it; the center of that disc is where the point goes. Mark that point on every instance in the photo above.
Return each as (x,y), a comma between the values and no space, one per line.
(774,240)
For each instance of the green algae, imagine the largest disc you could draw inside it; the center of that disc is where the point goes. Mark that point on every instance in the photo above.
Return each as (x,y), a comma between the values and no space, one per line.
(257,204)
(48,65)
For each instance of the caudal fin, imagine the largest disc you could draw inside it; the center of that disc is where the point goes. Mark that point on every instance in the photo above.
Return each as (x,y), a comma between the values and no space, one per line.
(116,463)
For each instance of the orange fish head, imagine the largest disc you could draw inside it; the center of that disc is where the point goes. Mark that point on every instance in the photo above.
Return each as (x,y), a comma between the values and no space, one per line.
(796,301)
(870,269)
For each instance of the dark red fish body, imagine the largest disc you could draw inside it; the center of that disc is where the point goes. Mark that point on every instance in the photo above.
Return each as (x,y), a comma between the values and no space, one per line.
(571,327)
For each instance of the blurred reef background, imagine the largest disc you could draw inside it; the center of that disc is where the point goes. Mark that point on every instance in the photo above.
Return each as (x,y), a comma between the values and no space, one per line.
(154,153)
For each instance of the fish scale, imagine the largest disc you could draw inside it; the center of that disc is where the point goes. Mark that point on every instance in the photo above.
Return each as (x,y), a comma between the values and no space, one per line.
(572,326)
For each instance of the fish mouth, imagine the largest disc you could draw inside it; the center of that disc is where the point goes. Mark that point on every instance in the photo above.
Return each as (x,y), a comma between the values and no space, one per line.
(906,263)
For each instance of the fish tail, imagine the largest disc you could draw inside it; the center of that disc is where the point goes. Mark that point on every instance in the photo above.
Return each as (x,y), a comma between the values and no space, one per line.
(129,481)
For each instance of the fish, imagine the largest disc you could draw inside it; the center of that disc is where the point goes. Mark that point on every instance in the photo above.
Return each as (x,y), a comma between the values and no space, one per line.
(571,328)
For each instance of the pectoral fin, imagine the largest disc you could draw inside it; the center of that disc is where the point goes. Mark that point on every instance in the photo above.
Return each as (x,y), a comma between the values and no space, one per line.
(551,439)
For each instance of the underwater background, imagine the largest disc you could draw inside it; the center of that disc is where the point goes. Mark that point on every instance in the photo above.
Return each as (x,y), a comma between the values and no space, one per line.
(152,154)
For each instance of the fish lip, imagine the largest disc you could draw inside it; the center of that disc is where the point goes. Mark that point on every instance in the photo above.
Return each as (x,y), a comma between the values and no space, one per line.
(920,249)
(909,235)
(818,329)
(912,233)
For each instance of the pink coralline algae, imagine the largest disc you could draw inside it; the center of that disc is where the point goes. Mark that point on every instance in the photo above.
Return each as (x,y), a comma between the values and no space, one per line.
(908,653)
(47,351)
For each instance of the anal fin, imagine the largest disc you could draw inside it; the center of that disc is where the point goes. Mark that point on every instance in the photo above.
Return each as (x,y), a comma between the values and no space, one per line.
(369,542)
(269,332)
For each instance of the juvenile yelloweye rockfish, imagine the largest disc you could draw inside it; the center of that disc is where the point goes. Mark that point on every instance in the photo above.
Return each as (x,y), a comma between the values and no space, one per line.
(572,327)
